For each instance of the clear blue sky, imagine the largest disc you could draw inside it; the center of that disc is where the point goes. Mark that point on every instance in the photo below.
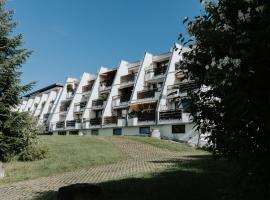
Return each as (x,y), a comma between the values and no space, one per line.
(70,37)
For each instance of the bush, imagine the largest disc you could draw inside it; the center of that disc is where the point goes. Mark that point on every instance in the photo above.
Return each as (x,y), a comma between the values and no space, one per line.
(33,153)
(19,134)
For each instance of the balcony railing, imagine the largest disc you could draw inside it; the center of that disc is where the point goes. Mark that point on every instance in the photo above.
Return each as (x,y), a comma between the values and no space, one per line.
(46,116)
(95,121)
(160,71)
(188,86)
(128,78)
(110,120)
(87,88)
(146,94)
(97,103)
(79,107)
(173,90)
(105,85)
(60,124)
(170,114)
(147,116)
(71,123)
(64,108)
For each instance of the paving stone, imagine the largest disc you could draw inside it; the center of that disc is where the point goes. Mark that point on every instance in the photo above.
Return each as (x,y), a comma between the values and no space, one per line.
(140,158)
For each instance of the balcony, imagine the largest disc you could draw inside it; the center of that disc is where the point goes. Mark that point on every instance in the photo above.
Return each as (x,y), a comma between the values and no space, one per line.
(63,108)
(127,79)
(95,121)
(146,94)
(170,115)
(70,95)
(87,88)
(46,116)
(188,86)
(105,85)
(160,70)
(110,120)
(147,116)
(98,104)
(80,107)
(173,91)
(71,124)
(60,125)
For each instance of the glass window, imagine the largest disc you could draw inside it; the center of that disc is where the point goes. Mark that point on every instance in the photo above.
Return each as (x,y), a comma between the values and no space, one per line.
(94,132)
(117,131)
(178,129)
(144,130)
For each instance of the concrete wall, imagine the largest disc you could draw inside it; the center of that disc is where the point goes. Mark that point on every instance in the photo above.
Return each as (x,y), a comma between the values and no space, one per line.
(121,71)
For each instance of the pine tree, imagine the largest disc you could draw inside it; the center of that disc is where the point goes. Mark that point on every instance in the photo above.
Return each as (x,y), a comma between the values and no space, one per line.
(229,57)
(17,130)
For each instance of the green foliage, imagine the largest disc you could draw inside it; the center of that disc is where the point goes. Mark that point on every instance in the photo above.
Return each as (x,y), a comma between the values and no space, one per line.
(229,59)
(70,88)
(32,153)
(20,133)
(17,130)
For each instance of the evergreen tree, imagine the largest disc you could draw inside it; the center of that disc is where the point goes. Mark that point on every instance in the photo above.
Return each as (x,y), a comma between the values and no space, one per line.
(17,130)
(229,59)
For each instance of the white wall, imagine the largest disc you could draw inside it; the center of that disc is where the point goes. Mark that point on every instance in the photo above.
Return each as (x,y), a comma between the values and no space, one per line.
(55,116)
(121,71)
(94,94)
(78,95)
(139,85)
(43,98)
(28,104)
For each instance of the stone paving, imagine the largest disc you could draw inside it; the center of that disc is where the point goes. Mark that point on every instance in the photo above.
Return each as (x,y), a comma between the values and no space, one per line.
(140,158)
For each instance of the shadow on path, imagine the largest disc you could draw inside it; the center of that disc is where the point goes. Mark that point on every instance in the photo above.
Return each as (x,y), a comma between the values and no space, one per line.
(192,178)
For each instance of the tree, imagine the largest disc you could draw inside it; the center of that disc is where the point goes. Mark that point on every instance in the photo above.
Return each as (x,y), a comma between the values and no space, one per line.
(17,130)
(229,59)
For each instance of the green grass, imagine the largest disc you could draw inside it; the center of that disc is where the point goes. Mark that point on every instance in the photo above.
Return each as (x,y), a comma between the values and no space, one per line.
(66,153)
(183,148)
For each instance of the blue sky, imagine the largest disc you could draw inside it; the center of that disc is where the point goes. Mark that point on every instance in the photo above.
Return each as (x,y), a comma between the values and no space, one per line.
(70,37)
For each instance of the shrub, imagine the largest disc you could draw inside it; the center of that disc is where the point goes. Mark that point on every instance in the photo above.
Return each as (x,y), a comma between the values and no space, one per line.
(19,134)
(33,153)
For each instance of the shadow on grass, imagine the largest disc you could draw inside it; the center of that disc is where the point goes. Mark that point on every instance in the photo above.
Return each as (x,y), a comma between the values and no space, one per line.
(192,178)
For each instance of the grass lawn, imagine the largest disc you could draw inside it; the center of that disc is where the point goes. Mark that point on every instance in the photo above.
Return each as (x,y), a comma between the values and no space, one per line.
(66,153)
(198,178)
(183,148)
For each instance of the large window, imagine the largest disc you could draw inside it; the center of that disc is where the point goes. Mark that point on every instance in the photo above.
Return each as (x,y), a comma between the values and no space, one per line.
(144,130)
(117,131)
(94,132)
(178,129)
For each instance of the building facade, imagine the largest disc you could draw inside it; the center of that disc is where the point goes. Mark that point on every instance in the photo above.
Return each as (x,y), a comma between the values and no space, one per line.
(130,99)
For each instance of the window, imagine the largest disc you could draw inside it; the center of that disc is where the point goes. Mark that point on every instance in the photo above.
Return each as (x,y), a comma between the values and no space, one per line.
(62,133)
(94,132)
(73,132)
(178,129)
(144,130)
(117,131)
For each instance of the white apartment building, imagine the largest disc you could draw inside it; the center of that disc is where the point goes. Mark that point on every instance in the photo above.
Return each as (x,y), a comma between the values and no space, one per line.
(132,99)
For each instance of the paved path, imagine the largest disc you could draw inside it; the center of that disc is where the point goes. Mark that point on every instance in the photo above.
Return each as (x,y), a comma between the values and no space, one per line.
(140,158)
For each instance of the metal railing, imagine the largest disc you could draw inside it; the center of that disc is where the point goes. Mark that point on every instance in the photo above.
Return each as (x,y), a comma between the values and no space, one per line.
(97,102)
(87,88)
(147,116)
(71,123)
(127,78)
(95,121)
(170,114)
(60,124)
(160,70)
(146,94)
(110,120)
(188,86)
